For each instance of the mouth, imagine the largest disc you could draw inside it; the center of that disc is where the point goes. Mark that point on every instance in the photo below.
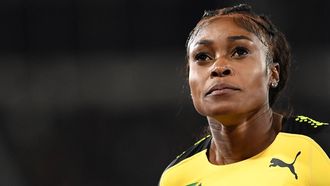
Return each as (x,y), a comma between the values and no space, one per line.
(221,89)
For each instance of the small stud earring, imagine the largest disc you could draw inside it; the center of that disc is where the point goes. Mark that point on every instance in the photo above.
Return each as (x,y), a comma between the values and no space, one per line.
(274,84)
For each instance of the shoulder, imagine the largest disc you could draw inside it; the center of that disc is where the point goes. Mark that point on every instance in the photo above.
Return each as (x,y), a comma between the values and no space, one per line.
(319,131)
(199,146)
(311,155)
(288,143)
(178,167)
(304,123)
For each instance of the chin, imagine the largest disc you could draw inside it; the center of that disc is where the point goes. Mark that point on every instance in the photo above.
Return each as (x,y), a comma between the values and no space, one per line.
(216,110)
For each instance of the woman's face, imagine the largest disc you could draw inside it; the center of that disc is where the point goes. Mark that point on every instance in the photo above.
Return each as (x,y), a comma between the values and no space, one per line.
(227,70)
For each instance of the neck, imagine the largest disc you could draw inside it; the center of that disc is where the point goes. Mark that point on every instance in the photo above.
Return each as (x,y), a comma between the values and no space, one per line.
(244,139)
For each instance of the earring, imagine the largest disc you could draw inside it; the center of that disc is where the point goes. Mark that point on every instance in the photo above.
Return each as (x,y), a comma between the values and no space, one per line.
(274,84)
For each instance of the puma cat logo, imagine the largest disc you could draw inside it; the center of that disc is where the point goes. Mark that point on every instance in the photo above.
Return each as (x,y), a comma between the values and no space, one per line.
(277,162)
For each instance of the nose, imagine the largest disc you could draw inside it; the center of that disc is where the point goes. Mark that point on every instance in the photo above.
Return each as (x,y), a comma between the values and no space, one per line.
(221,70)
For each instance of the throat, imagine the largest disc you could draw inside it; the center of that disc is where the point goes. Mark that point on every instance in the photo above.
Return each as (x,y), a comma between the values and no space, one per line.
(232,144)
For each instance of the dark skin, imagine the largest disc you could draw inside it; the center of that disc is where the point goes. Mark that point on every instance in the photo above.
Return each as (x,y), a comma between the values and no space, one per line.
(229,80)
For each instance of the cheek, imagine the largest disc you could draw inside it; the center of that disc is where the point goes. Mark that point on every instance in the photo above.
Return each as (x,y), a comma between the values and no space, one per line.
(194,80)
(196,84)
(257,84)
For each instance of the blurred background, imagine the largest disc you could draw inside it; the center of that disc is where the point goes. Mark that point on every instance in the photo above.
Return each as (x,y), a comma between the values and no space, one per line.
(94,93)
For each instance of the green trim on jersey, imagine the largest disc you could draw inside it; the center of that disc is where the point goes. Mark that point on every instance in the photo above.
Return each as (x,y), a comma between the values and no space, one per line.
(292,159)
(318,131)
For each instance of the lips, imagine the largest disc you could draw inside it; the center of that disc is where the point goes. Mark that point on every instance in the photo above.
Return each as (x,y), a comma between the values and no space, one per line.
(220,89)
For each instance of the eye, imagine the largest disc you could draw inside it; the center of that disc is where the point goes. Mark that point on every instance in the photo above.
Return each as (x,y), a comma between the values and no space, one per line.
(202,57)
(240,52)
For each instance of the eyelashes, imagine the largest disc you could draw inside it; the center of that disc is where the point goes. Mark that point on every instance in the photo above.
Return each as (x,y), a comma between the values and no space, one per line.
(239,52)
(236,53)
(202,56)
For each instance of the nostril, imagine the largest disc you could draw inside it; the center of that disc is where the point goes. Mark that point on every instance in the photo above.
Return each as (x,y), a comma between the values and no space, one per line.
(221,72)
(226,72)
(214,74)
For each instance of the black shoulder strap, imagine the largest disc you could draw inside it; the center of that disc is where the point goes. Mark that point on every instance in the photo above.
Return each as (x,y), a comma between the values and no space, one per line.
(197,147)
(318,131)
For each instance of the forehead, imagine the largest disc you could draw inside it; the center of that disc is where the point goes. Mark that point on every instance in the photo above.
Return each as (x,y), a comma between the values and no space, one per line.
(222,26)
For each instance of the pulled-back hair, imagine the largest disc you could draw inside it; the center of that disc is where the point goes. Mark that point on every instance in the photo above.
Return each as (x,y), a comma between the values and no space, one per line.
(278,47)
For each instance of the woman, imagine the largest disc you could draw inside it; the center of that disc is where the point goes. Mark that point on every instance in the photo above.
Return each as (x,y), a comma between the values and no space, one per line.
(238,63)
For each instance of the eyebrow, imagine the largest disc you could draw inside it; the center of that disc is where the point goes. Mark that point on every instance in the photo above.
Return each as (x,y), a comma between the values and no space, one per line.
(230,38)
(234,38)
(204,42)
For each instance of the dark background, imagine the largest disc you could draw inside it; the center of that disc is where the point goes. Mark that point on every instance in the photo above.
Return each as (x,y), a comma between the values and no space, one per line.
(93,93)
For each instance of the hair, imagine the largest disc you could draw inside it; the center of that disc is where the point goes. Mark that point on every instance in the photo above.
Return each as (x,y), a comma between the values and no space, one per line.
(260,25)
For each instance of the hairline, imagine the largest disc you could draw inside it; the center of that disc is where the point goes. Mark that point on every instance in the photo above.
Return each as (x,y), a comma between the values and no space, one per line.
(208,20)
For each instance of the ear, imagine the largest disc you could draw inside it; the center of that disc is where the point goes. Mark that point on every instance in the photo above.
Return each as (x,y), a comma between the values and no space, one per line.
(274,76)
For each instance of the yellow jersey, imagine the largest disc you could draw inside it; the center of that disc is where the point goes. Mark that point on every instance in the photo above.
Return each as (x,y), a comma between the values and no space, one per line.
(292,159)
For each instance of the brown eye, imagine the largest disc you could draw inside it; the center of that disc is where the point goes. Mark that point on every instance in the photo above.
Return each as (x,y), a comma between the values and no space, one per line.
(202,57)
(240,52)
